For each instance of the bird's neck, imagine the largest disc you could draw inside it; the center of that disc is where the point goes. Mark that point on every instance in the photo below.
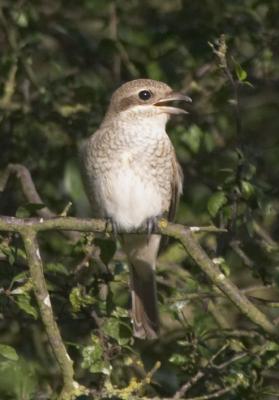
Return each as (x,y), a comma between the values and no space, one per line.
(137,125)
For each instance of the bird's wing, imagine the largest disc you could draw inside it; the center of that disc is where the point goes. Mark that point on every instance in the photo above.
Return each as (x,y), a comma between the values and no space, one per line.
(176,188)
(176,191)
(86,161)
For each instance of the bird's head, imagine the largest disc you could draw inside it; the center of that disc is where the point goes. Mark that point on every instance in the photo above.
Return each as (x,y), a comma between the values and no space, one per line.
(145,98)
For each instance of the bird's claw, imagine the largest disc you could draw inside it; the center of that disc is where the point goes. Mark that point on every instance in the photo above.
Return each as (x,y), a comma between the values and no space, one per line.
(111,223)
(151,224)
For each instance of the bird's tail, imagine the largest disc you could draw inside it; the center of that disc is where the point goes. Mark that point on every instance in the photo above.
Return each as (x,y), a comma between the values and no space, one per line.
(142,253)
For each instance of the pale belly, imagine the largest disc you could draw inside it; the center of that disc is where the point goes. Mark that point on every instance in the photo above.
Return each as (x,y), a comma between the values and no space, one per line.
(129,199)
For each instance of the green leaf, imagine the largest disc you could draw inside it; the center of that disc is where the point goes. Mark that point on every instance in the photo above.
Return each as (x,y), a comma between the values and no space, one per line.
(20,278)
(11,258)
(240,72)
(18,379)
(8,352)
(154,71)
(118,330)
(223,265)
(247,83)
(24,303)
(24,289)
(74,186)
(56,268)
(192,138)
(178,359)
(138,38)
(215,202)
(120,312)
(28,210)
(21,18)
(93,357)
(247,190)
(80,299)
(272,346)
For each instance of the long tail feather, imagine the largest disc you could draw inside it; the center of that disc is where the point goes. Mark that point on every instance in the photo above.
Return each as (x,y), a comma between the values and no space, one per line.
(144,301)
(142,253)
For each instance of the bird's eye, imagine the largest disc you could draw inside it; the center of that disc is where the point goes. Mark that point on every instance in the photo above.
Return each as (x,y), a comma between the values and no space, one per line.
(145,94)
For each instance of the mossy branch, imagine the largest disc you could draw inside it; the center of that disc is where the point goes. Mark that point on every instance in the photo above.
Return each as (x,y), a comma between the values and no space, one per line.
(70,388)
(180,232)
(191,245)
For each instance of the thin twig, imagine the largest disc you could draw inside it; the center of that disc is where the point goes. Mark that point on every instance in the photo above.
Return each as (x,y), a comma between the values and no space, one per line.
(200,374)
(221,52)
(218,393)
(235,245)
(264,235)
(29,190)
(27,185)
(13,42)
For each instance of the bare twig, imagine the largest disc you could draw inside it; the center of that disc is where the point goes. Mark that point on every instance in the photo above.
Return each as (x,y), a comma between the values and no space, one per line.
(232,333)
(6,101)
(235,245)
(200,374)
(232,360)
(27,185)
(218,393)
(29,190)
(211,228)
(221,52)
(264,235)
(13,41)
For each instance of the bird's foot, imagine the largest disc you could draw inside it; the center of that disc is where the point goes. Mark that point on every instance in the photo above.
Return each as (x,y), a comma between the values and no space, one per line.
(151,224)
(111,223)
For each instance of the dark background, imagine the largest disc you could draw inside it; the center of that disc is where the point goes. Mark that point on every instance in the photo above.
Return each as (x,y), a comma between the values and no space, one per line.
(60,62)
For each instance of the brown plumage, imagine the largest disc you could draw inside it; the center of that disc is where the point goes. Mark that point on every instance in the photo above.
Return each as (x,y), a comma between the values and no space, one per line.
(132,176)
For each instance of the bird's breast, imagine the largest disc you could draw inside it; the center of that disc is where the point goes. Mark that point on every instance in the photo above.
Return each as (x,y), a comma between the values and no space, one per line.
(133,179)
(129,191)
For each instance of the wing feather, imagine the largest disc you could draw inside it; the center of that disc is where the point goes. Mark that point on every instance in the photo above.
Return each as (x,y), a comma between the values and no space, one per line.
(176,191)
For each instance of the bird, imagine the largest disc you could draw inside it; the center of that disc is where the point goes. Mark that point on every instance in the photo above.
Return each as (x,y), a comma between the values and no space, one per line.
(132,178)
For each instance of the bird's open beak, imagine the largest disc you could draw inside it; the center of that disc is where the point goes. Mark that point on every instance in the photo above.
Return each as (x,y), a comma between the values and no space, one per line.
(173,96)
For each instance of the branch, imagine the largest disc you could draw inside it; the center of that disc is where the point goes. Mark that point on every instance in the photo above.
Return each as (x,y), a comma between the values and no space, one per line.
(29,190)
(269,243)
(200,374)
(180,232)
(41,293)
(70,387)
(186,237)
(218,393)
(14,224)
(27,186)
(221,52)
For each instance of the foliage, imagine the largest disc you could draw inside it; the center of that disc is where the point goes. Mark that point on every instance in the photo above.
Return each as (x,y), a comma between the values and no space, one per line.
(60,61)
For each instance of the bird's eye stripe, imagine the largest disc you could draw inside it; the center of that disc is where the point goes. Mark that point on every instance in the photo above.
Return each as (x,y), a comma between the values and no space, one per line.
(145,94)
